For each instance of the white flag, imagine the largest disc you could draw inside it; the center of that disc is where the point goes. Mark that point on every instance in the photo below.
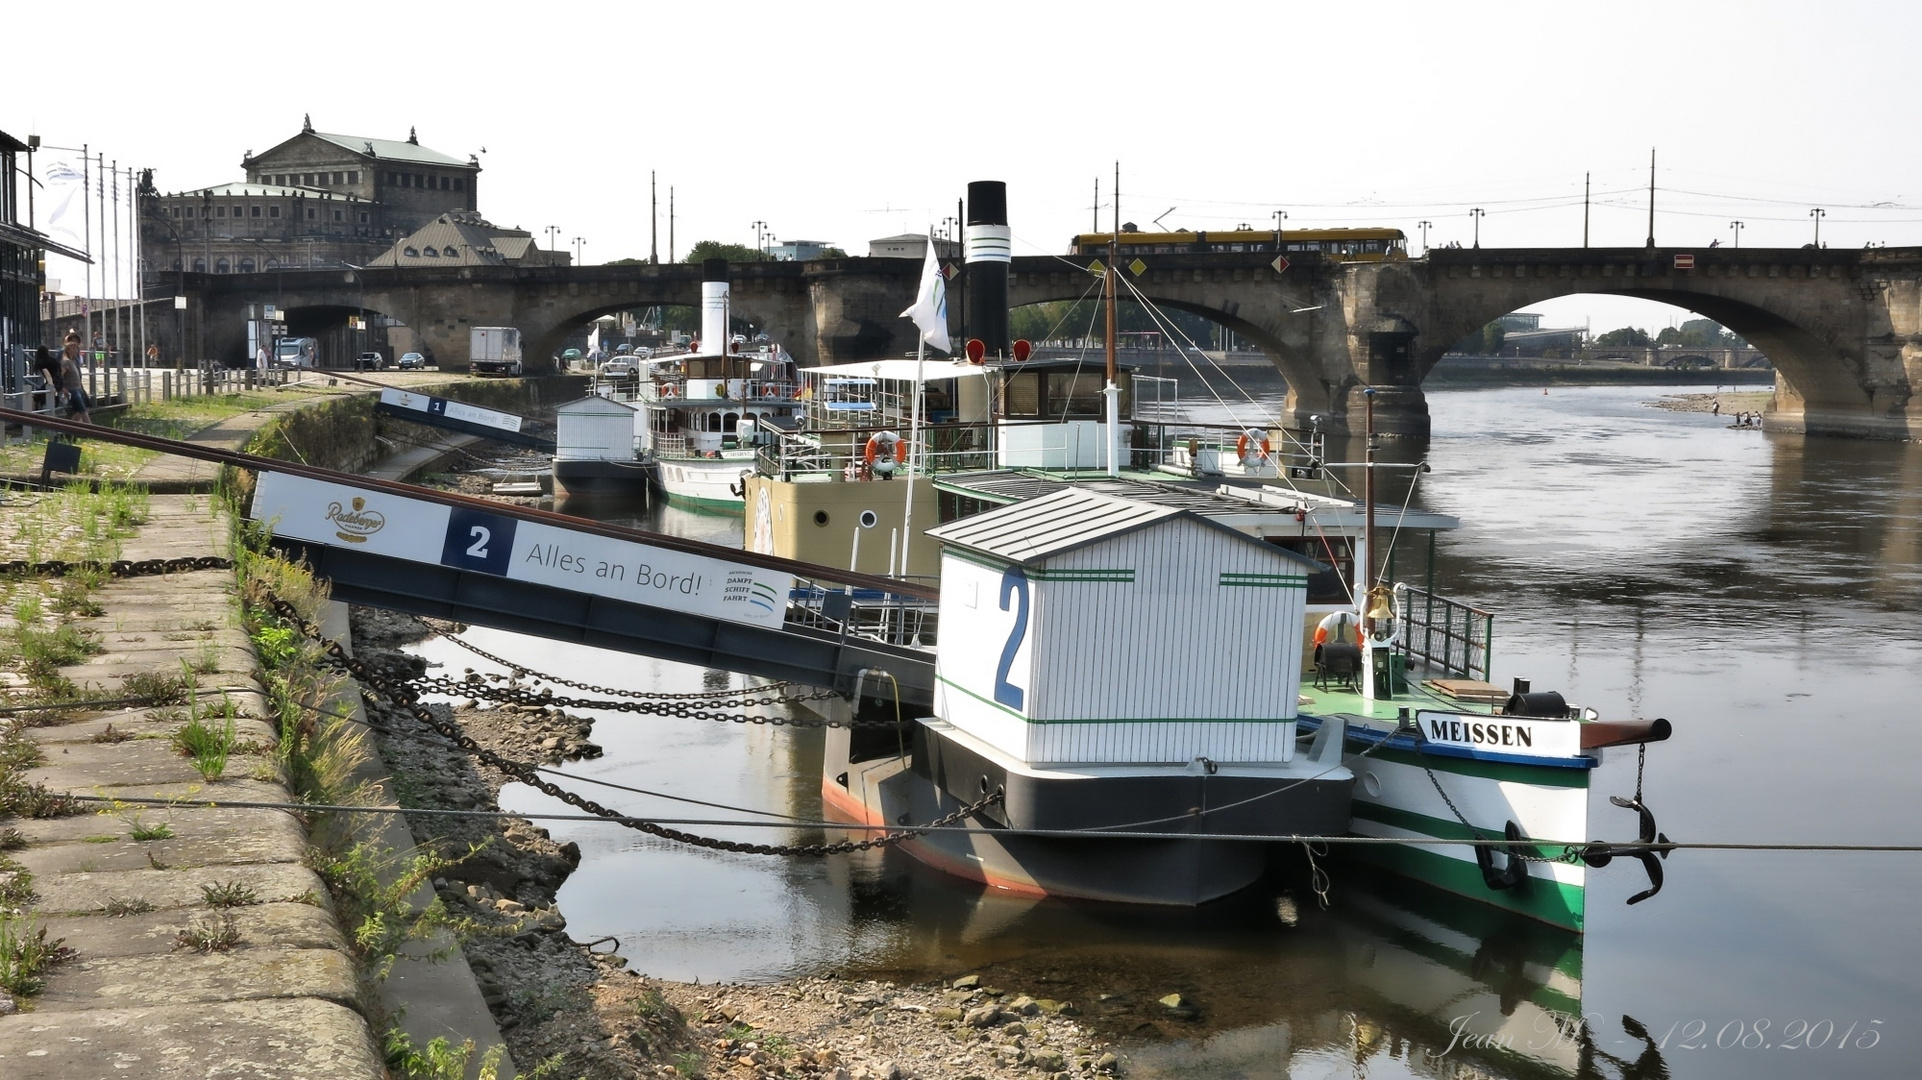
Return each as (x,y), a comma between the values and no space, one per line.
(930,310)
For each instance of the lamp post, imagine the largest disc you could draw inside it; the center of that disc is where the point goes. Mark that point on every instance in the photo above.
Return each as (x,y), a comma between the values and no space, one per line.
(1818,214)
(1424,226)
(1279,216)
(553,232)
(579,243)
(1737,226)
(1478,213)
(759,227)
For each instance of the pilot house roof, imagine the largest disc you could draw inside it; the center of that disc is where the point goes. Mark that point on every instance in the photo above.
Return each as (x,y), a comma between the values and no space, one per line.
(1032,532)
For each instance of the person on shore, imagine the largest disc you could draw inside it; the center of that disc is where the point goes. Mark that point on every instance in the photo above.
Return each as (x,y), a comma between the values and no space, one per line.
(153,356)
(73,382)
(49,370)
(1716,408)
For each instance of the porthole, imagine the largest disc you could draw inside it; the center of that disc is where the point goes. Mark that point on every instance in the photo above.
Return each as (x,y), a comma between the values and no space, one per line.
(820,517)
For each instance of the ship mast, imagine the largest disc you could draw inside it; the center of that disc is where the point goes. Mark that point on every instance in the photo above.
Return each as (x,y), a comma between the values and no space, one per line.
(1112,391)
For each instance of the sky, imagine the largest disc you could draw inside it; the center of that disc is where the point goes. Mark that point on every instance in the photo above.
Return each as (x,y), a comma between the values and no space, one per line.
(846,121)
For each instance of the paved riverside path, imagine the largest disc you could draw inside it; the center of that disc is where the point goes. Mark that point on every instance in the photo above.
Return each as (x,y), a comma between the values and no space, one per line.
(282,1002)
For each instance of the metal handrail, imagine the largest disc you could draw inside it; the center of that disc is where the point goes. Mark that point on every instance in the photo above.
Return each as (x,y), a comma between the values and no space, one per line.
(1456,638)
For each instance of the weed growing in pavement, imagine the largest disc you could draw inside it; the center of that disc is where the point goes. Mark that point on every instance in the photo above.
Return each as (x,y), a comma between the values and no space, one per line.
(229,894)
(26,955)
(143,832)
(16,885)
(11,840)
(217,934)
(208,744)
(442,1060)
(111,734)
(155,688)
(118,906)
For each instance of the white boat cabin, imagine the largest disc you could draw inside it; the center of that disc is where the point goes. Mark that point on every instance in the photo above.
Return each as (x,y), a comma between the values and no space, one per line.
(1082,628)
(596,429)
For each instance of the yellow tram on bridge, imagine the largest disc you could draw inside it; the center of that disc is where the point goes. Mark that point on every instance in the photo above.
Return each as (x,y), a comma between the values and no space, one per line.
(1340,245)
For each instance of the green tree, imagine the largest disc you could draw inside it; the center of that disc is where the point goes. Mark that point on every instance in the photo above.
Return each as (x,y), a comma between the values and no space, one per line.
(715,249)
(832,253)
(1626,336)
(1492,337)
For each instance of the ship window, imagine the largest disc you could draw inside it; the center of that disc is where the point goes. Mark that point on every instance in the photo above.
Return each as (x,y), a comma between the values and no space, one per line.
(1023,394)
(1076,393)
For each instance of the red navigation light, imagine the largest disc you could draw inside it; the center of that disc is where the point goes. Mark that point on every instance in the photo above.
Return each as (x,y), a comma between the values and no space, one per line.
(977,350)
(1023,348)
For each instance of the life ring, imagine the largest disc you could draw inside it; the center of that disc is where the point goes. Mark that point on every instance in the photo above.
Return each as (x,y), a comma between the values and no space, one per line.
(1251,437)
(769,390)
(1336,624)
(667,390)
(875,442)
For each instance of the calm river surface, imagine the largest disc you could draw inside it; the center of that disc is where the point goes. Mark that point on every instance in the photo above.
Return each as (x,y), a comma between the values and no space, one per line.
(1763,592)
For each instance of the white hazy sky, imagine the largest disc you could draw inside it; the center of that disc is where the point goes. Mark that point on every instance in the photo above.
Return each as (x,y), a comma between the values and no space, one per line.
(844,121)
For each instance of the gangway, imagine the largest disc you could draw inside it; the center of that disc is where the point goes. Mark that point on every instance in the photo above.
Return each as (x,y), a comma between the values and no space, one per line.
(433,553)
(459,416)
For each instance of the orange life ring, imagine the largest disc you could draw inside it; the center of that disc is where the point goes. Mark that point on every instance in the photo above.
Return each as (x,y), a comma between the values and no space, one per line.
(1340,622)
(875,442)
(1243,441)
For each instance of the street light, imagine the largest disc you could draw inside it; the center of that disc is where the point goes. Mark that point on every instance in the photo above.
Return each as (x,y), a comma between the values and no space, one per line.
(579,243)
(1818,214)
(1424,226)
(1279,216)
(1738,226)
(553,234)
(1478,213)
(759,227)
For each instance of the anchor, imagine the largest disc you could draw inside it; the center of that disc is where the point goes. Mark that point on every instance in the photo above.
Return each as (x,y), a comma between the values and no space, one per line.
(1651,847)
(1508,876)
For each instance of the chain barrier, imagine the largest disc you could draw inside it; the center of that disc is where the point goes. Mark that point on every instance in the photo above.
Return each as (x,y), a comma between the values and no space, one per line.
(523,671)
(120,568)
(403,695)
(1570,853)
(474,686)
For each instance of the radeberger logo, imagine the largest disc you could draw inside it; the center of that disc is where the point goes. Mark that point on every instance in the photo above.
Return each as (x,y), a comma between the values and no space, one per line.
(355,524)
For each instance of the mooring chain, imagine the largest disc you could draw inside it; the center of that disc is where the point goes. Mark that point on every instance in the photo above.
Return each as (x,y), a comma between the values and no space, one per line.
(403,695)
(1570,854)
(523,671)
(120,568)
(473,687)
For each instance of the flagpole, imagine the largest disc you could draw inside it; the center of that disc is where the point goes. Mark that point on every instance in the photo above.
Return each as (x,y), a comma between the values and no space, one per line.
(86,231)
(915,455)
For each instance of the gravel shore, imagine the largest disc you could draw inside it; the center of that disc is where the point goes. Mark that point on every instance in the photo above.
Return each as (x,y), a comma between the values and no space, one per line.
(1735,401)
(554,996)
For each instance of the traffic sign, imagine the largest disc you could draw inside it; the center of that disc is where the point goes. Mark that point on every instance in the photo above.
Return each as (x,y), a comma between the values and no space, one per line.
(1684,262)
(1280,264)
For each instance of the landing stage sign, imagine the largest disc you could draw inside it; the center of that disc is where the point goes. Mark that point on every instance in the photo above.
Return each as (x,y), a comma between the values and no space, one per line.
(472,539)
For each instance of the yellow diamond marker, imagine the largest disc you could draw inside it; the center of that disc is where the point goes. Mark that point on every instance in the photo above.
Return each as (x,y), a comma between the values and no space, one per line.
(1096,268)
(1138,267)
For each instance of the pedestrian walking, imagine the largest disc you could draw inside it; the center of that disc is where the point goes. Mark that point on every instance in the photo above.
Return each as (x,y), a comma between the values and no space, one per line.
(72,382)
(1717,409)
(49,371)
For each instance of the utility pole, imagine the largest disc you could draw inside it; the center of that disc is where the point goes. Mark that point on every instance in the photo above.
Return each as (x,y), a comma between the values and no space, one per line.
(1737,226)
(654,219)
(1651,196)
(1585,183)
(670,223)
(1094,209)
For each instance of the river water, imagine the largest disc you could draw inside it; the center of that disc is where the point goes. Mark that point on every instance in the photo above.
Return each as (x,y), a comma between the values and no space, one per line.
(1763,592)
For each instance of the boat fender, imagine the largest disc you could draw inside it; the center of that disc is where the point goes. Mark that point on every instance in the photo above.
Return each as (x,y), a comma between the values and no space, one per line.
(1336,625)
(1252,437)
(1508,876)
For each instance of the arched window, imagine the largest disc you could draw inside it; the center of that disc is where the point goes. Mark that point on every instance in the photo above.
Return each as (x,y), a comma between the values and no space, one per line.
(271,263)
(177,265)
(221,266)
(200,266)
(246,266)
(714,421)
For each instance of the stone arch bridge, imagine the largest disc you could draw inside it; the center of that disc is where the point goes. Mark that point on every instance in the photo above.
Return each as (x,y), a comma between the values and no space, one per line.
(1842,327)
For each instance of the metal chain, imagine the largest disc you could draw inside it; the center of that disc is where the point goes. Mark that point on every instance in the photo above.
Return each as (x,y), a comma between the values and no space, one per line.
(120,568)
(1569,854)
(475,686)
(403,695)
(523,671)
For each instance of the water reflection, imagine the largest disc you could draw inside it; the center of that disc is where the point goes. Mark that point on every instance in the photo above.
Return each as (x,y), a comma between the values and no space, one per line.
(1765,592)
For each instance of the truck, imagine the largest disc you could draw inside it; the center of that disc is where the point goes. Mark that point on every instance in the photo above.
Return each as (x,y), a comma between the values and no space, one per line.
(296,352)
(495,350)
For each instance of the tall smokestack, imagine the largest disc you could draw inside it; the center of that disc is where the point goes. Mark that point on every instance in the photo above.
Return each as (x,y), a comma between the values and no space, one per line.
(990,248)
(714,306)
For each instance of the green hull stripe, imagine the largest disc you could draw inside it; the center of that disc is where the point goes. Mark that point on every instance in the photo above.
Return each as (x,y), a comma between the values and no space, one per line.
(1553,902)
(998,707)
(1545,775)
(732,506)
(1441,828)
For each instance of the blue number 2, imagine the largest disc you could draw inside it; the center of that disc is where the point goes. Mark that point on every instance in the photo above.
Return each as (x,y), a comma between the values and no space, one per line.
(1015,582)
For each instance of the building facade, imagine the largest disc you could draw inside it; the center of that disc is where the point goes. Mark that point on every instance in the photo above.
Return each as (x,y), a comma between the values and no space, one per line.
(313,201)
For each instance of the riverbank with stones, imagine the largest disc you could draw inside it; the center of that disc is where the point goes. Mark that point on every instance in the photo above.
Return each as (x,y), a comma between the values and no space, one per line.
(556,997)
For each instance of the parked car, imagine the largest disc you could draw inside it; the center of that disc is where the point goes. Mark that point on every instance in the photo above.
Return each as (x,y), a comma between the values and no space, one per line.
(621,367)
(369,361)
(412,361)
